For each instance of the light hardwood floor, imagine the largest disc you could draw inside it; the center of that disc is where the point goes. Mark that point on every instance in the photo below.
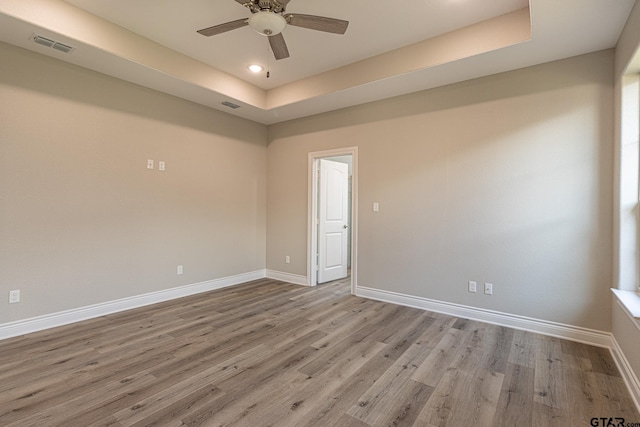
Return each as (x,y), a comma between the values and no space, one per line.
(272,354)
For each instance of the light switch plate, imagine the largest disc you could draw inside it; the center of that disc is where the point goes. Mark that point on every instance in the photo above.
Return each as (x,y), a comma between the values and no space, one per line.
(14,296)
(473,286)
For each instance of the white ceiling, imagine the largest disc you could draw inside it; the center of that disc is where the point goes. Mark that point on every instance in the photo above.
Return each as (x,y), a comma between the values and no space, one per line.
(390,48)
(171,24)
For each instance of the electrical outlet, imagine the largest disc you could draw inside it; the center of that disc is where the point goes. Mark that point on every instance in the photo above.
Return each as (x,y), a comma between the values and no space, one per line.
(488,289)
(287,259)
(472,286)
(14,296)
(179,270)
(161,166)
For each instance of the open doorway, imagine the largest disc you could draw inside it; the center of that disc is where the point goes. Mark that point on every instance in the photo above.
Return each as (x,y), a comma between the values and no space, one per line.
(332,222)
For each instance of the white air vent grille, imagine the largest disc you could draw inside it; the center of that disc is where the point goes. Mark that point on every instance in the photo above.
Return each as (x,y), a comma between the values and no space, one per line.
(44,41)
(230,105)
(61,47)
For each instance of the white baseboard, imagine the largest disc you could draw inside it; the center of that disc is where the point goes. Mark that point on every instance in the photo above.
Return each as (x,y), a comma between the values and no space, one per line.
(630,378)
(296,279)
(573,333)
(40,323)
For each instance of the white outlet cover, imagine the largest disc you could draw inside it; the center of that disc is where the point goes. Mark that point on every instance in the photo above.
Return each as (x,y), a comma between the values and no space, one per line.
(488,288)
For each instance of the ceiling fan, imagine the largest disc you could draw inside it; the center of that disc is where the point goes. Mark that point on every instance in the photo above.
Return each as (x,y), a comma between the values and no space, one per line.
(269,19)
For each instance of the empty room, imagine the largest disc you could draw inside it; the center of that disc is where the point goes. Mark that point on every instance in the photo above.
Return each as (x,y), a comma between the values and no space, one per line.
(327,213)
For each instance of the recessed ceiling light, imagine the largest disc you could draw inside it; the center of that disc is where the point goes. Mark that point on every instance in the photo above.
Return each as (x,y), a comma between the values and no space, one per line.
(256,68)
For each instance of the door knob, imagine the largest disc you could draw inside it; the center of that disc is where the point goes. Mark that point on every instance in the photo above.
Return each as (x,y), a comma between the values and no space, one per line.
(344,226)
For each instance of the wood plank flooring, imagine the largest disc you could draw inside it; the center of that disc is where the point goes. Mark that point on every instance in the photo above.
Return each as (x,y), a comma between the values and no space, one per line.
(268,353)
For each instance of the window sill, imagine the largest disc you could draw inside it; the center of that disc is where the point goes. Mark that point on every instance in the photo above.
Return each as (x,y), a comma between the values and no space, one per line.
(630,300)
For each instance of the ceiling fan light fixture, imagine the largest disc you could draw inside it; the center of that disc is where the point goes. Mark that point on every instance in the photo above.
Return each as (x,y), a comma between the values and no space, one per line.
(267,23)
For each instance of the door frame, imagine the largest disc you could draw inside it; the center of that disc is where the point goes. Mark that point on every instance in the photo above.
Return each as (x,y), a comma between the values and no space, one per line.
(312,194)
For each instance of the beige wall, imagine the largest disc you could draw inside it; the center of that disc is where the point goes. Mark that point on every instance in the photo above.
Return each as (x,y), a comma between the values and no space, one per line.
(82,221)
(505,179)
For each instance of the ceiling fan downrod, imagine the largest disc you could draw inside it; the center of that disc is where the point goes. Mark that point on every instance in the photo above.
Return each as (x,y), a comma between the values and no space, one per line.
(273,6)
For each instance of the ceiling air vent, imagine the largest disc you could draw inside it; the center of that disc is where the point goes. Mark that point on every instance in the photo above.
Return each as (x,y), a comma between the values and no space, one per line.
(62,47)
(52,44)
(44,41)
(230,105)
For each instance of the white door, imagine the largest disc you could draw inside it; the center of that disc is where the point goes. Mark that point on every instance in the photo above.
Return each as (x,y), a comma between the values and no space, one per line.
(333,220)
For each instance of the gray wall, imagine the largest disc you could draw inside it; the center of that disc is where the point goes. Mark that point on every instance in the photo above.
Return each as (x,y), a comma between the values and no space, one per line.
(82,221)
(505,179)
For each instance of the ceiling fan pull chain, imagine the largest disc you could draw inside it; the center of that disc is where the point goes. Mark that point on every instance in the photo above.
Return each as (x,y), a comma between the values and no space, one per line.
(268,59)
